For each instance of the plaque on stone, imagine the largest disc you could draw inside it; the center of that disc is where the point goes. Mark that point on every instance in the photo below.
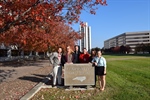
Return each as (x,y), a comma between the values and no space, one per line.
(79,74)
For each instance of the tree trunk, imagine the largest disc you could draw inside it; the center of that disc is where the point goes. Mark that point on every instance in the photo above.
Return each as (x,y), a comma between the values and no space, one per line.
(22,54)
(9,53)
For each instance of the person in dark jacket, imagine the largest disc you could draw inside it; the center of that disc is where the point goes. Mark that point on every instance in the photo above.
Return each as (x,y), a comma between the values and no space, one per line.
(76,54)
(93,54)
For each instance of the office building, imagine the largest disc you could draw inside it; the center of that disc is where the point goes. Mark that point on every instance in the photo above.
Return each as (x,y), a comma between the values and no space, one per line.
(128,39)
(85,42)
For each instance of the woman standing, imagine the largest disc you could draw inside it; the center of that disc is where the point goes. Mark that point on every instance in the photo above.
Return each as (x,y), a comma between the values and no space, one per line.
(93,54)
(61,63)
(69,55)
(100,67)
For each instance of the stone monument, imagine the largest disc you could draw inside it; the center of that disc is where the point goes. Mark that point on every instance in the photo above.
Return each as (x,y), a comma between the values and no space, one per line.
(79,74)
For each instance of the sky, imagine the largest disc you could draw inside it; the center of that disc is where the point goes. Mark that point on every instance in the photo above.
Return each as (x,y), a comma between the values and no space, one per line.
(118,17)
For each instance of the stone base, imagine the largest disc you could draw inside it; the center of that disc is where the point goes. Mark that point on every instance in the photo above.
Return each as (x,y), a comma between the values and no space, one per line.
(76,89)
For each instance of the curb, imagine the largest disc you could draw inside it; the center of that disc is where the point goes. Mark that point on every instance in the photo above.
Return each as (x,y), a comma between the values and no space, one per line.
(34,90)
(41,85)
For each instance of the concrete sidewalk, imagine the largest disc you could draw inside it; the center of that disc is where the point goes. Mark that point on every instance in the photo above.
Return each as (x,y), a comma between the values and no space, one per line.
(16,81)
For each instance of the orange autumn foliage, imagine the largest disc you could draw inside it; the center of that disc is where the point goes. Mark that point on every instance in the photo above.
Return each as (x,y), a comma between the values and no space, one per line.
(36,25)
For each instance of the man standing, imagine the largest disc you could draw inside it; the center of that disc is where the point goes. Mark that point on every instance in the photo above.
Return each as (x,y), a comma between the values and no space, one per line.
(84,57)
(56,59)
(76,54)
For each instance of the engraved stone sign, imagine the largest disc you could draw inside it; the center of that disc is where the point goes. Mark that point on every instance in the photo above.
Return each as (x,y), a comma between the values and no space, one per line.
(79,74)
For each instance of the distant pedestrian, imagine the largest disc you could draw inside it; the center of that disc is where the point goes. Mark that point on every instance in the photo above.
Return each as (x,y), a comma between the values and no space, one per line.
(100,63)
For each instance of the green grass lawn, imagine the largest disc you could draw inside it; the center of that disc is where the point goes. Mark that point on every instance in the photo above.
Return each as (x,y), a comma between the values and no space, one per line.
(127,79)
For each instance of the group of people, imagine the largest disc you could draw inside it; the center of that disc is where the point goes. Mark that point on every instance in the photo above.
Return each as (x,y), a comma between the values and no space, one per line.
(58,59)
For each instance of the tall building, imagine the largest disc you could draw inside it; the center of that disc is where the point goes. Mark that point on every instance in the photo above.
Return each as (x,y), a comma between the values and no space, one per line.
(85,42)
(128,39)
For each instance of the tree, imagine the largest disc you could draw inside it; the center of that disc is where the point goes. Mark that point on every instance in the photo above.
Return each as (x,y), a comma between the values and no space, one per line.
(25,12)
(34,24)
(122,49)
(137,48)
(112,49)
(147,47)
(38,40)
(140,48)
(116,49)
(65,36)
(127,48)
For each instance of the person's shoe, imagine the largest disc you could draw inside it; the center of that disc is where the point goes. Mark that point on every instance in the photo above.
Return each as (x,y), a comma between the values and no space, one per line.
(60,84)
(102,89)
(93,86)
(54,86)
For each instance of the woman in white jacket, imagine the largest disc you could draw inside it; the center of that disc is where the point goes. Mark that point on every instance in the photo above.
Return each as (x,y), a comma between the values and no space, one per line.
(100,67)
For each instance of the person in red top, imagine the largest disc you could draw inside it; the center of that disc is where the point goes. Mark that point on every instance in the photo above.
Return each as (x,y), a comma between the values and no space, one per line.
(84,57)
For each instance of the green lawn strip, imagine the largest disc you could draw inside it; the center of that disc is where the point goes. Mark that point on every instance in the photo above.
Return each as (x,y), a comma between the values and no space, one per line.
(114,84)
(118,56)
(125,55)
(118,88)
(127,90)
(124,58)
(139,78)
(133,72)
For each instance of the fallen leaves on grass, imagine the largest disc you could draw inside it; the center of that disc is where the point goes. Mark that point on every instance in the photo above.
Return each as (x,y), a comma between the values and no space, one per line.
(61,94)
